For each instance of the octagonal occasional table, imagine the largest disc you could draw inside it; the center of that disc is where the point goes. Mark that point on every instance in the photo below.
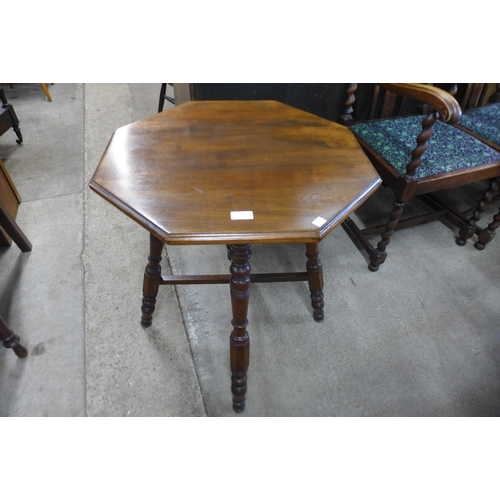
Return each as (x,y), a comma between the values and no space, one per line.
(235,173)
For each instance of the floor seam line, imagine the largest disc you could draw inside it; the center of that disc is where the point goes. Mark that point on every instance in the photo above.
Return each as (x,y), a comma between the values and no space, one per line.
(81,191)
(184,324)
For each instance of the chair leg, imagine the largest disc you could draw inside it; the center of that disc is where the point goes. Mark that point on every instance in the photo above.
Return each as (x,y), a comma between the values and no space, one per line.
(486,235)
(469,229)
(46,91)
(379,254)
(151,284)
(163,91)
(315,279)
(10,340)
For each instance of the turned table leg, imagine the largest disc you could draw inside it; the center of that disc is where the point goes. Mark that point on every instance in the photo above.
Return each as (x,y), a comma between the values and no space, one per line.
(10,340)
(239,339)
(315,279)
(152,277)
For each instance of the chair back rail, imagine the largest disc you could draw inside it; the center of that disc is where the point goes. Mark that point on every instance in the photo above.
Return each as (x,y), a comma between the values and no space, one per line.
(381,103)
(473,95)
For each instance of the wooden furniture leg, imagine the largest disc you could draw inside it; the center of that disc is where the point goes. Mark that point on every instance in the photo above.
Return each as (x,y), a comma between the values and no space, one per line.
(487,234)
(239,339)
(13,230)
(315,279)
(164,97)
(46,91)
(470,228)
(10,340)
(152,278)
(163,91)
(379,255)
(8,117)
(17,130)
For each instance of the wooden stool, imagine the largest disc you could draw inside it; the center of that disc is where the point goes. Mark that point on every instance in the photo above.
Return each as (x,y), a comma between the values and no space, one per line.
(235,173)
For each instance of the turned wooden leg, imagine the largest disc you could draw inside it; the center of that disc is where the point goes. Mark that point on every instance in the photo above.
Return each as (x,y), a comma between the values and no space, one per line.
(10,340)
(488,234)
(315,279)
(469,229)
(239,339)
(152,276)
(15,125)
(379,254)
(17,130)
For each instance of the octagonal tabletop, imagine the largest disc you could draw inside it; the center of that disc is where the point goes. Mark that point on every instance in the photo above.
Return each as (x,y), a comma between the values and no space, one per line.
(235,172)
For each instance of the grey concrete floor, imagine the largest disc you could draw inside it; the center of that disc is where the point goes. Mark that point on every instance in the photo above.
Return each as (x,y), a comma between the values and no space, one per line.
(421,337)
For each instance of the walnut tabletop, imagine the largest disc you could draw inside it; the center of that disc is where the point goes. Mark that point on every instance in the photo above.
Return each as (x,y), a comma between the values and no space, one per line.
(235,172)
(183,172)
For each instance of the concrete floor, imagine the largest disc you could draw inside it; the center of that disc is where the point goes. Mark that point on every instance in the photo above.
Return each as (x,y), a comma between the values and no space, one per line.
(421,337)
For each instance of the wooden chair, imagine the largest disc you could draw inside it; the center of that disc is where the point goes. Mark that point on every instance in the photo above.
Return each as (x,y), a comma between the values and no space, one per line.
(480,103)
(416,153)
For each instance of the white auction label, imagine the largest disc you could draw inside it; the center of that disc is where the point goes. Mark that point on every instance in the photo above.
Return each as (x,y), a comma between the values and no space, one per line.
(319,221)
(245,215)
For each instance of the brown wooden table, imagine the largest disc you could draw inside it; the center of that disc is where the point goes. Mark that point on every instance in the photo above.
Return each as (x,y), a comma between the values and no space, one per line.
(235,173)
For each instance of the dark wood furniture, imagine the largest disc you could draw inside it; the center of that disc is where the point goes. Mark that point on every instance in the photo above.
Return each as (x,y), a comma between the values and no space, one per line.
(11,340)
(7,336)
(322,99)
(11,228)
(164,97)
(8,118)
(10,198)
(480,103)
(416,155)
(235,173)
